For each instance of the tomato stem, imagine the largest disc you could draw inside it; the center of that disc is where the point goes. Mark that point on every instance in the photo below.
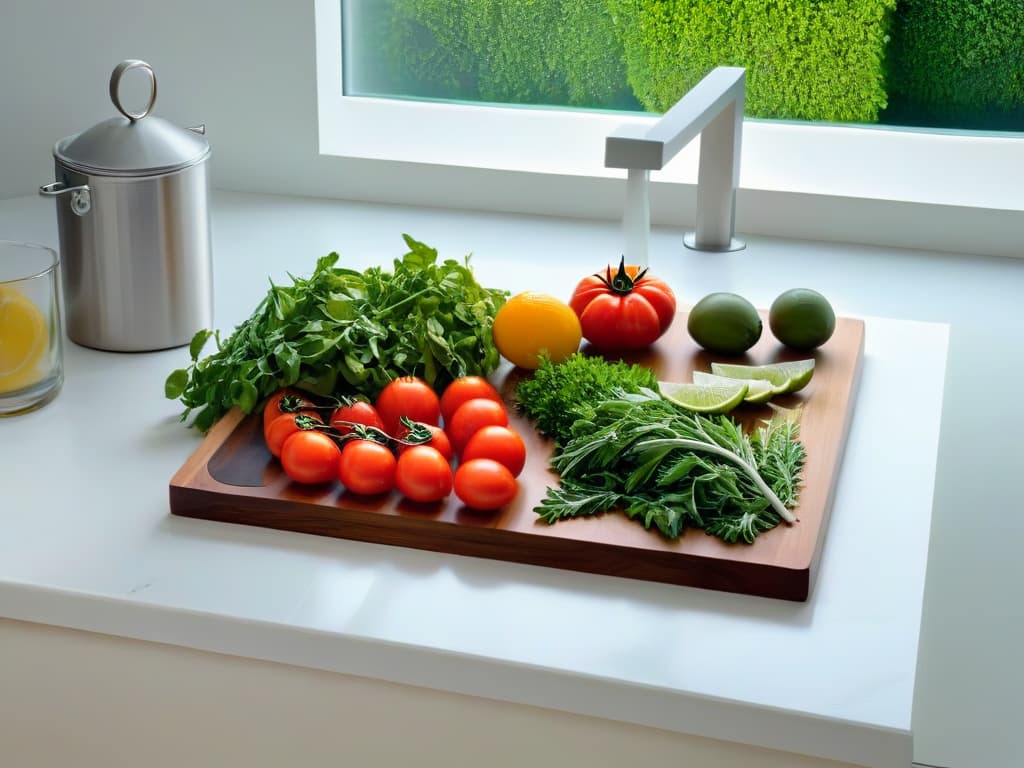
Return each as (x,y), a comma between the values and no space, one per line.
(621,283)
(304,421)
(418,433)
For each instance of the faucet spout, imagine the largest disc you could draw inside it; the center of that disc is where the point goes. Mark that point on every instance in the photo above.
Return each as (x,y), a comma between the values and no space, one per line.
(712,109)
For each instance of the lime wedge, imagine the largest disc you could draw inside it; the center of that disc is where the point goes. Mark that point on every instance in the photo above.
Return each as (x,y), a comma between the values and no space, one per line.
(758,390)
(699,399)
(784,377)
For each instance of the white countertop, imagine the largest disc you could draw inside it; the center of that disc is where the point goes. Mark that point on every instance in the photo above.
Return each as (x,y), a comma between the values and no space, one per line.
(86,539)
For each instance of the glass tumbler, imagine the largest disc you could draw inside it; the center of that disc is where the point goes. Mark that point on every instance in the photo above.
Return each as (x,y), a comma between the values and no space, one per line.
(31,349)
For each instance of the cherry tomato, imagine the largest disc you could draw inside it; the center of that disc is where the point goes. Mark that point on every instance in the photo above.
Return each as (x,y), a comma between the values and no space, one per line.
(367,468)
(310,457)
(274,407)
(438,440)
(284,426)
(423,474)
(627,310)
(411,397)
(471,416)
(463,389)
(498,443)
(356,412)
(485,484)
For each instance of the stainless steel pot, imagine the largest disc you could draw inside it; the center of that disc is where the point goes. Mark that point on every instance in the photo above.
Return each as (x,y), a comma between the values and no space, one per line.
(131,195)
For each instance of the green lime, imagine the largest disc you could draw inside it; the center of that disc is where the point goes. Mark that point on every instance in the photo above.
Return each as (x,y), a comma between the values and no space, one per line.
(802,319)
(784,377)
(724,323)
(758,390)
(712,399)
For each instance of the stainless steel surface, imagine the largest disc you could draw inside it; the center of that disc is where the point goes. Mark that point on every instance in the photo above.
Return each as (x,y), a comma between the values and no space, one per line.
(134,230)
(119,147)
(115,87)
(137,273)
(733,244)
(712,109)
(138,144)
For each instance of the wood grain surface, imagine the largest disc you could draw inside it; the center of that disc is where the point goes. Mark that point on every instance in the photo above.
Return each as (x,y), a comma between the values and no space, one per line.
(232,478)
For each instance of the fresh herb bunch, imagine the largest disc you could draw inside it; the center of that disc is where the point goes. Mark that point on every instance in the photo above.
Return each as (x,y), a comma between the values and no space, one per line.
(672,469)
(556,396)
(345,330)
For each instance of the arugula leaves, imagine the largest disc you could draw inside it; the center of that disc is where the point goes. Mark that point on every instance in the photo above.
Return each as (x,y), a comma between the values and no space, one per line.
(345,330)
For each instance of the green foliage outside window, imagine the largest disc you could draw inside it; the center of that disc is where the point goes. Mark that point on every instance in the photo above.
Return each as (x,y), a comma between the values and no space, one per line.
(429,49)
(805,60)
(956,58)
(897,61)
(527,51)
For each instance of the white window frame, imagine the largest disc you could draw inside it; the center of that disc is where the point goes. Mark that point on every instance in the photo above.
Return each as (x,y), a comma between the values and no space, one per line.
(951,179)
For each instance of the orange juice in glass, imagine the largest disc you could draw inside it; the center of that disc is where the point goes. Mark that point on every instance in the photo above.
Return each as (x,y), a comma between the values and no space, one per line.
(31,362)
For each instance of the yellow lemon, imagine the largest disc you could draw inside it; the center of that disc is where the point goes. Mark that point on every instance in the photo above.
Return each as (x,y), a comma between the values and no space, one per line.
(533,324)
(23,341)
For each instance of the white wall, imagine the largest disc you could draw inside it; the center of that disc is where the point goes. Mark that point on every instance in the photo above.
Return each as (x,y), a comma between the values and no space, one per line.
(246,68)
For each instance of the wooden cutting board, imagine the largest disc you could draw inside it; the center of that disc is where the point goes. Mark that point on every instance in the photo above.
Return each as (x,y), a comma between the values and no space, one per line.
(232,478)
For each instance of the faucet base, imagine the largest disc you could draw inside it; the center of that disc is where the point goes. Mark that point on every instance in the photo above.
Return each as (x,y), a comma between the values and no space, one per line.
(690,241)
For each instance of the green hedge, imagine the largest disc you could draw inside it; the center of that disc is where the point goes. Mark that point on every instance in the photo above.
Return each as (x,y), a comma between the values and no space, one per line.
(428,49)
(805,59)
(959,57)
(525,51)
(950,62)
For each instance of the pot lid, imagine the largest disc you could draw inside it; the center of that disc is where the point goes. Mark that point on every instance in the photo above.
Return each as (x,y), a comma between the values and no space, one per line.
(133,145)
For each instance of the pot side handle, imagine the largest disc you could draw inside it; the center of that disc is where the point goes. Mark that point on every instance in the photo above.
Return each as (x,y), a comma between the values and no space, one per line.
(81,196)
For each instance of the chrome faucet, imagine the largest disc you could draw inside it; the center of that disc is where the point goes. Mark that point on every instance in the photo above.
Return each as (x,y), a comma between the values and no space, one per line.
(714,109)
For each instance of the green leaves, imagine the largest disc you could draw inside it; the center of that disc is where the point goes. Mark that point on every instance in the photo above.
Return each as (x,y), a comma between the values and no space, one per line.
(528,51)
(571,499)
(195,347)
(176,384)
(665,467)
(558,395)
(960,62)
(349,328)
(804,60)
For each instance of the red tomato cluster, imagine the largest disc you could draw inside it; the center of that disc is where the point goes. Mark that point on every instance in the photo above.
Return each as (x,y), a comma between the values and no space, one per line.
(398,442)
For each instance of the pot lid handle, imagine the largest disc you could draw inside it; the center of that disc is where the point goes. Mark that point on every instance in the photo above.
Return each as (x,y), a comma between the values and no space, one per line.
(115,86)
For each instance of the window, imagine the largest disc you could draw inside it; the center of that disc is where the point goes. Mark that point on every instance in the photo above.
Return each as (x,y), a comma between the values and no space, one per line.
(391,120)
(932,63)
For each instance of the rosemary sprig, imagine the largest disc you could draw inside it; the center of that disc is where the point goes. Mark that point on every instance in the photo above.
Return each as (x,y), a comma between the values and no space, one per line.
(671,469)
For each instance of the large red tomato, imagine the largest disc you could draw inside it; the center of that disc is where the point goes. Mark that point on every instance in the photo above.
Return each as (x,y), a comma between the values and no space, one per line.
(626,310)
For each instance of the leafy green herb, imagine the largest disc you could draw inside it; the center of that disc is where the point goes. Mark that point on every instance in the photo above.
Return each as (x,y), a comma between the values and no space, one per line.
(341,329)
(556,396)
(671,469)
